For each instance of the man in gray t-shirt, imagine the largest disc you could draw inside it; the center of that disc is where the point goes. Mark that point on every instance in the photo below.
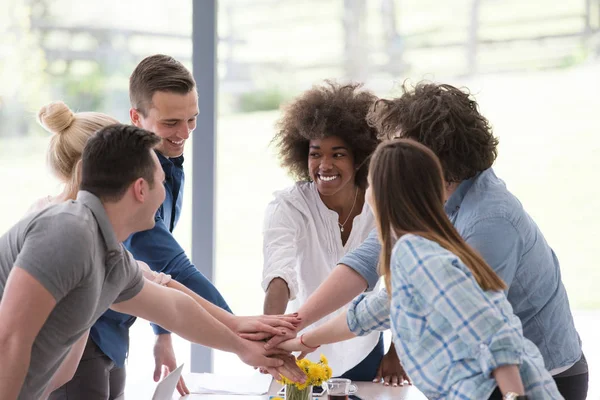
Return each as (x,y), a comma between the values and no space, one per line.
(61,268)
(72,252)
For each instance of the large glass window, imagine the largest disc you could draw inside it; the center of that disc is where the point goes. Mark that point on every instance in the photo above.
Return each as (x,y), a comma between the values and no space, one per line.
(534,68)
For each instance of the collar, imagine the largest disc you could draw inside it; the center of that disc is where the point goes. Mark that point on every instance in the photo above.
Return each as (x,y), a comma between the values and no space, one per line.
(456,198)
(169,162)
(94,204)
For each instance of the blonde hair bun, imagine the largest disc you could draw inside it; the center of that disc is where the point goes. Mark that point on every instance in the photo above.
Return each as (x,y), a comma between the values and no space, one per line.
(56,117)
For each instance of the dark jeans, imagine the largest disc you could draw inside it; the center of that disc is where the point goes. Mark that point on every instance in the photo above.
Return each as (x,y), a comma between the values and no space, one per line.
(366,370)
(571,387)
(96,378)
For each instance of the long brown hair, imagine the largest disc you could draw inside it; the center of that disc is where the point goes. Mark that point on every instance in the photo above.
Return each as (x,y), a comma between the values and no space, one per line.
(408,197)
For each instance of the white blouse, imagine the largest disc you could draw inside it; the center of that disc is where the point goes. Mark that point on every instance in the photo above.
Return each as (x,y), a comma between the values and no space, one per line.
(302,244)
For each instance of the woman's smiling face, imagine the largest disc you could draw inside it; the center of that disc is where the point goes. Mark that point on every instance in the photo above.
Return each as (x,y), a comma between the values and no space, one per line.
(330,164)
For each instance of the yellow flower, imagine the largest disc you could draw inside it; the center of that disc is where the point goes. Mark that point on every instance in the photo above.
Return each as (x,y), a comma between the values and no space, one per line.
(316,373)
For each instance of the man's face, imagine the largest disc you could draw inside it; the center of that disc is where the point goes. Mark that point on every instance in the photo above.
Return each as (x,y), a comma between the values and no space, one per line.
(171,116)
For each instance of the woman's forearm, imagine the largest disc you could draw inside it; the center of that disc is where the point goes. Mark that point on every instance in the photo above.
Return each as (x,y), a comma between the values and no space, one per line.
(344,282)
(509,379)
(333,331)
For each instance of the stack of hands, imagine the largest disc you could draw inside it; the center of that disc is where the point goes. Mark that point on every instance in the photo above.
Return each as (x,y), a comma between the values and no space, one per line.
(265,334)
(268,343)
(255,351)
(281,340)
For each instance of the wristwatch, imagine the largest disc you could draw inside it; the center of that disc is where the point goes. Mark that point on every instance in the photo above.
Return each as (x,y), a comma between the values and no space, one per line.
(513,396)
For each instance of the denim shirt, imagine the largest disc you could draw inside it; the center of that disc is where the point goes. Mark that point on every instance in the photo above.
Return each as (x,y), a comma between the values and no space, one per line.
(494,223)
(159,249)
(448,332)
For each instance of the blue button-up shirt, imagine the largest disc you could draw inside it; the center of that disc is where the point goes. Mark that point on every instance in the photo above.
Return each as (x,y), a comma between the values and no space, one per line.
(159,249)
(494,223)
(448,332)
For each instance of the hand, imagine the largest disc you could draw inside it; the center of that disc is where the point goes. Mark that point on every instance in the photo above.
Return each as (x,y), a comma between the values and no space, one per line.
(254,353)
(289,369)
(265,326)
(275,340)
(391,370)
(158,278)
(161,279)
(296,345)
(164,360)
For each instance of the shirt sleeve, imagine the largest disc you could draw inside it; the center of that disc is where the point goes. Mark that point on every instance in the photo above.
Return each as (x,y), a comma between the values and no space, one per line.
(499,243)
(449,287)
(158,248)
(133,276)
(57,252)
(281,233)
(369,312)
(365,258)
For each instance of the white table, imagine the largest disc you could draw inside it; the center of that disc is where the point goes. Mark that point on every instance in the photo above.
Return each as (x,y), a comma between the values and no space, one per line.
(366,391)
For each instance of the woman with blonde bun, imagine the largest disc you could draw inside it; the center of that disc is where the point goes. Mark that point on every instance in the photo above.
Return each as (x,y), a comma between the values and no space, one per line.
(70,132)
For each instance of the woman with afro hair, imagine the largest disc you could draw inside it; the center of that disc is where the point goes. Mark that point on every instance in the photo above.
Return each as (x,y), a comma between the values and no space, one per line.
(324,142)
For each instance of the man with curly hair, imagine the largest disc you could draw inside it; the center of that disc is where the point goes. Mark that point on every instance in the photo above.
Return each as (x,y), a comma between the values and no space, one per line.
(489,217)
(324,142)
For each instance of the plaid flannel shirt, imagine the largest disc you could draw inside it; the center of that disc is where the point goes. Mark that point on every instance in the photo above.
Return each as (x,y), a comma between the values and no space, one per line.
(449,334)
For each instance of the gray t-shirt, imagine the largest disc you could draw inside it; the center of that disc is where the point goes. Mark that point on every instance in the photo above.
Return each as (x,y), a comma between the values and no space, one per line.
(71,250)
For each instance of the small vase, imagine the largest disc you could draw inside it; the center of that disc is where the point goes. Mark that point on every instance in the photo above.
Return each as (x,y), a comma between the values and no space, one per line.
(293,393)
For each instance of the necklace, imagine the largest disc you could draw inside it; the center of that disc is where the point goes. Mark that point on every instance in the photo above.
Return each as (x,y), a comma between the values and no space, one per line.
(350,213)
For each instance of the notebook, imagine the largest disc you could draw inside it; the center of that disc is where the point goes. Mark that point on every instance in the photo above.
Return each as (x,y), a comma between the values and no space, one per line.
(166,387)
(255,384)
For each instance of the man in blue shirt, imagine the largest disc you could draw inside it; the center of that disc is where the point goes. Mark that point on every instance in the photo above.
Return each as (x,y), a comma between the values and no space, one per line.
(163,100)
(486,214)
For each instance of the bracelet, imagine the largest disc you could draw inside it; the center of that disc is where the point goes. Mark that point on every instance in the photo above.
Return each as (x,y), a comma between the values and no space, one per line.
(305,345)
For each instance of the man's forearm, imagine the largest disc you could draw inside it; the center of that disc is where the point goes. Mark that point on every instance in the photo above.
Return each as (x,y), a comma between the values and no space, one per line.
(344,282)
(15,359)
(68,367)
(216,311)
(190,321)
(277,297)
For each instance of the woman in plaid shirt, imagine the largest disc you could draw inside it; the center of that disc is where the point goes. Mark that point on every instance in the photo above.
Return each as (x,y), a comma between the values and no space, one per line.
(453,327)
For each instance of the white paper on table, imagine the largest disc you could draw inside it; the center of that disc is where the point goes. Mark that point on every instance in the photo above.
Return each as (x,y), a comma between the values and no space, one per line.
(256,384)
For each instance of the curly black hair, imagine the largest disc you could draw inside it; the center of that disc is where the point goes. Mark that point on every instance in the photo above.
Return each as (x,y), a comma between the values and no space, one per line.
(445,119)
(324,111)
